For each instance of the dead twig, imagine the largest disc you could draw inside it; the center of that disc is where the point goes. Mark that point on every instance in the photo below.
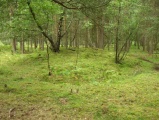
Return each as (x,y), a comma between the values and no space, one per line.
(11,114)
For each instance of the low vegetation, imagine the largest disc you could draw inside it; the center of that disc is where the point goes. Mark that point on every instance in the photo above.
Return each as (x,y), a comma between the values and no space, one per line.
(90,86)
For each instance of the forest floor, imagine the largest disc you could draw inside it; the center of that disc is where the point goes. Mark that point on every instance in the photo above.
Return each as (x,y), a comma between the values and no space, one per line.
(91,87)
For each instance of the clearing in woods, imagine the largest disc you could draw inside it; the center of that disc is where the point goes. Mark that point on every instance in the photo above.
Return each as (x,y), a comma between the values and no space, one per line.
(90,87)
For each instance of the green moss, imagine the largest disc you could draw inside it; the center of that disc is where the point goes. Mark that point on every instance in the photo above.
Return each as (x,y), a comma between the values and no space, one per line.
(96,88)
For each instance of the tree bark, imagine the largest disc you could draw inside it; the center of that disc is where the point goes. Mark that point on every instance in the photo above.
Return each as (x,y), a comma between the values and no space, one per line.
(14,47)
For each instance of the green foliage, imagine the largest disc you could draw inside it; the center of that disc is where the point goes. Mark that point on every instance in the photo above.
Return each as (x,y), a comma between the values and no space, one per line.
(45,11)
(1,44)
(87,24)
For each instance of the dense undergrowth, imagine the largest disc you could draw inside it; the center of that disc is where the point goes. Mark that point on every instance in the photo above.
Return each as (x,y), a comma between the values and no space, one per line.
(90,86)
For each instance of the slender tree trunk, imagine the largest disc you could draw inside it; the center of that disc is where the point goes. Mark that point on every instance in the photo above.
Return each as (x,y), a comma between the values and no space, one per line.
(48,59)
(66,34)
(86,38)
(22,46)
(42,42)
(31,44)
(144,43)
(59,34)
(117,37)
(28,45)
(14,48)
(76,30)
(97,35)
(35,44)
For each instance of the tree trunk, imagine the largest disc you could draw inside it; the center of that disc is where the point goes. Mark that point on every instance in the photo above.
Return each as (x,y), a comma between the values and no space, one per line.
(28,45)
(14,48)
(22,46)
(117,55)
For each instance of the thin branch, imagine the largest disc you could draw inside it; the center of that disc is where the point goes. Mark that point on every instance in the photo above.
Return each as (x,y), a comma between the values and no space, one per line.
(79,8)
(66,31)
(38,24)
(75,32)
(62,4)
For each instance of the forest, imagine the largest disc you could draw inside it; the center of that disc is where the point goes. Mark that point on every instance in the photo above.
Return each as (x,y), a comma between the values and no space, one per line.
(79,59)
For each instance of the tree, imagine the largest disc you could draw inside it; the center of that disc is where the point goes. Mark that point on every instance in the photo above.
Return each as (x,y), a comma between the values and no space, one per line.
(54,44)
(77,5)
(122,25)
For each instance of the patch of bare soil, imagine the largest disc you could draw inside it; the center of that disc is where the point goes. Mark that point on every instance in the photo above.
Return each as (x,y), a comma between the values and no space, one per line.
(30,112)
(35,112)
(156,67)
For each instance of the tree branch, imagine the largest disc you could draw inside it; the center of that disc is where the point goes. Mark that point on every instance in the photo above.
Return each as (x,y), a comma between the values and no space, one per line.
(62,4)
(82,7)
(38,24)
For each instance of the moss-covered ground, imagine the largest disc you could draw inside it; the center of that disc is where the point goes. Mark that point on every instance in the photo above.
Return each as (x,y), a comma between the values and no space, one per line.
(87,86)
